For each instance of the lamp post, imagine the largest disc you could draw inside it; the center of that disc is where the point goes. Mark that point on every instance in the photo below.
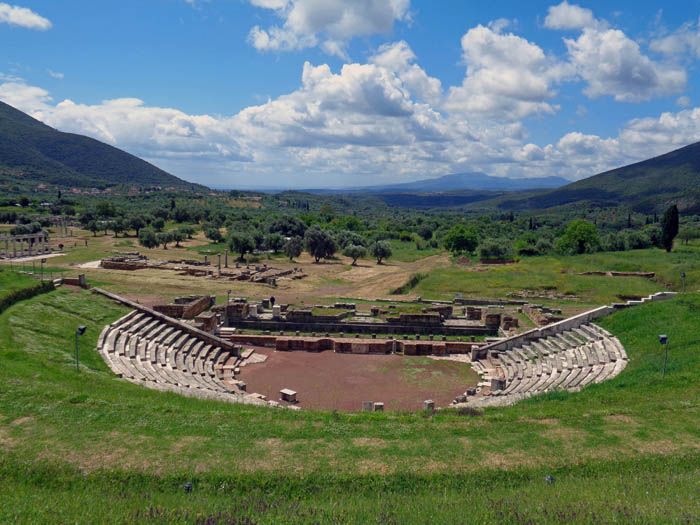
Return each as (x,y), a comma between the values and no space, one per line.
(80,331)
(663,339)
(683,277)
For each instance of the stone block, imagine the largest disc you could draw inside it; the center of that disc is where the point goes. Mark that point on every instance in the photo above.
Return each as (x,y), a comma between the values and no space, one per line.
(367,406)
(428,404)
(379,407)
(290,396)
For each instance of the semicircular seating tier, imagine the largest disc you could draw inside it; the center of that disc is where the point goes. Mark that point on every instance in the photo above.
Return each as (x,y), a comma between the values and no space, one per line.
(569,360)
(144,349)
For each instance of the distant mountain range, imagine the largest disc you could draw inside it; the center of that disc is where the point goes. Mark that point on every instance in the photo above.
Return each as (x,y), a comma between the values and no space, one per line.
(458,181)
(648,186)
(33,153)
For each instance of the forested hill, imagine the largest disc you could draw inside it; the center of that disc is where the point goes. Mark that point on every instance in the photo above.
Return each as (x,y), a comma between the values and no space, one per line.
(33,153)
(647,186)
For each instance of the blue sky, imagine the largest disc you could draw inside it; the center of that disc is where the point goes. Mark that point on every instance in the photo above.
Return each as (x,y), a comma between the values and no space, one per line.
(302,93)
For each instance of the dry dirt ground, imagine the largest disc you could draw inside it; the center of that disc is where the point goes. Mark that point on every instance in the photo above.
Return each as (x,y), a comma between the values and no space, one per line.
(328,380)
(325,281)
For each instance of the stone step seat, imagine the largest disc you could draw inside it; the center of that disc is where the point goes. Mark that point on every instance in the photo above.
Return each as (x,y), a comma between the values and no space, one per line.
(121,358)
(593,331)
(181,358)
(542,349)
(143,361)
(132,321)
(107,336)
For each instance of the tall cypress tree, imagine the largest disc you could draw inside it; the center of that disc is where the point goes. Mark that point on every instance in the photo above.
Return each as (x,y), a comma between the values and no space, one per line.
(669,227)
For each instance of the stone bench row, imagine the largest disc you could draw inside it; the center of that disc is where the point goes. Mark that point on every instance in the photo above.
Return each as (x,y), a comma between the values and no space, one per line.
(566,361)
(144,350)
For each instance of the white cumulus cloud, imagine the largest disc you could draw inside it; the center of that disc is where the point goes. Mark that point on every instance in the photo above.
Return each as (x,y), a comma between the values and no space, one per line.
(330,23)
(609,61)
(23,17)
(685,39)
(568,16)
(507,76)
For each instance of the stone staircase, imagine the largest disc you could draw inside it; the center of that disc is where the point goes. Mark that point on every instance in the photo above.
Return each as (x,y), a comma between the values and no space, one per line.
(568,360)
(145,349)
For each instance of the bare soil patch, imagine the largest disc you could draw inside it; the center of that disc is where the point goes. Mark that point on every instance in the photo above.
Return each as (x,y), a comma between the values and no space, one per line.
(328,380)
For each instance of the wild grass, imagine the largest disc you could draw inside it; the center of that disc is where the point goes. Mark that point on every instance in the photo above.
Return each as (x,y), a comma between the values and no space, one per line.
(561,274)
(87,447)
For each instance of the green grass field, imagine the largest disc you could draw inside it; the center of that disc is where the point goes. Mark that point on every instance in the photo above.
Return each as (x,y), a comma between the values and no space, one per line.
(560,274)
(87,447)
(11,281)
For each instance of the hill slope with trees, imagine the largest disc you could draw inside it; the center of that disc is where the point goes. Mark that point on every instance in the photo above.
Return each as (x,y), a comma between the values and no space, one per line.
(647,187)
(33,153)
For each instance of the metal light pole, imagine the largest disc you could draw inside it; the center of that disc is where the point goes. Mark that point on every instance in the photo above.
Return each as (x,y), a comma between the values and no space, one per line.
(663,339)
(683,277)
(80,331)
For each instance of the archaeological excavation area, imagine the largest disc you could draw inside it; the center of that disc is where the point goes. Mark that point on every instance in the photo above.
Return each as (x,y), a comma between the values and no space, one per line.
(196,347)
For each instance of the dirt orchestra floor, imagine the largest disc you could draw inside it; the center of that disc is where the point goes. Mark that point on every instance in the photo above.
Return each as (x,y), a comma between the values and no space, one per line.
(327,380)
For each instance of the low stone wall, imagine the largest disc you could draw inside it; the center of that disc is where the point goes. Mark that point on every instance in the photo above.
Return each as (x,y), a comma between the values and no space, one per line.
(362,328)
(540,316)
(207,320)
(445,311)
(186,307)
(420,319)
(307,316)
(119,265)
(355,345)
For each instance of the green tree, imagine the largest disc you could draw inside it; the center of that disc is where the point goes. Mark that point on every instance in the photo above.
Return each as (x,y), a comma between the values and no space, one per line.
(187,231)
(241,243)
(494,249)
(354,252)
(117,226)
(158,224)
(425,232)
(461,239)
(105,209)
(93,227)
(147,238)
(687,234)
(177,237)
(273,241)
(319,243)
(293,247)
(580,237)
(164,238)
(136,223)
(527,244)
(669,227)
(213,234)
(381,250)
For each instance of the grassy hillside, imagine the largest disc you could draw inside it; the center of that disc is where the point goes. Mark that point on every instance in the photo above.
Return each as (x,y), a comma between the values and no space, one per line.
(647,187)
(88,447)
(33,153)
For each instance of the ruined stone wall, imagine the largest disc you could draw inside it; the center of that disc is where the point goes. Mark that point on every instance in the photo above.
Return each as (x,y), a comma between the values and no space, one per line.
(122,265)
(207,320)
(355,345)
(186,310)
(420,319)
(445,311)
(540,316)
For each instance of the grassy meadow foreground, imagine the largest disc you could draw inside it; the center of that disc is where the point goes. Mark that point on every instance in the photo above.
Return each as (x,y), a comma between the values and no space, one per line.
(87,447)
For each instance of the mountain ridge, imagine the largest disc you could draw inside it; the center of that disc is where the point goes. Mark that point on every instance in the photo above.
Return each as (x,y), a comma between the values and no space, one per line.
(33,153)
